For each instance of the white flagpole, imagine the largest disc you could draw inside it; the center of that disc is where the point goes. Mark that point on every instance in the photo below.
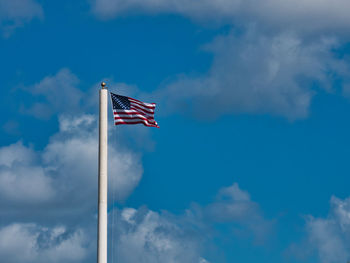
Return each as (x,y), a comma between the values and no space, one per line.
(102,177)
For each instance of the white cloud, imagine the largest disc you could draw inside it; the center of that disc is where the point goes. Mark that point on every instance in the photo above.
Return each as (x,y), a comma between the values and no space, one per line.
(63,177)
(270,70)
(330,236)
(25,184)
(234,193)
(151,237)
(300,15)
(57,185)
(254,73)
(69,161)
(15,13)
(29,243)
(16,153)
(141,235)
(67,167)
(232,204)
(72,154)
(19,174)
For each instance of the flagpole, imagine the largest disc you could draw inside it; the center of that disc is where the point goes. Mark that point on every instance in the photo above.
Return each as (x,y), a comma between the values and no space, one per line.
(102,177)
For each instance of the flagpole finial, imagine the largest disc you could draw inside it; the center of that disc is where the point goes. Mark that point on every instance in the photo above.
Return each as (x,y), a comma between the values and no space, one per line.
(103,85)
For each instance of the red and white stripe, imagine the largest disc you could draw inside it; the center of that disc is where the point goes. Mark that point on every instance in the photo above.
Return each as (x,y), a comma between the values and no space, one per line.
(140,112)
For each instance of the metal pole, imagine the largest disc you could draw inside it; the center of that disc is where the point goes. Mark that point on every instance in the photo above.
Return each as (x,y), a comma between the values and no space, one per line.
(102,177)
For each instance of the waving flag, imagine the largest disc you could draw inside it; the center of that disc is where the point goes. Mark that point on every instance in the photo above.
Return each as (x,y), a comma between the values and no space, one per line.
(130,111)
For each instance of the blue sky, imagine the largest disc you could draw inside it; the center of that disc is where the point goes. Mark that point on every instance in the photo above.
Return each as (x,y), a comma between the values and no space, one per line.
(251,159)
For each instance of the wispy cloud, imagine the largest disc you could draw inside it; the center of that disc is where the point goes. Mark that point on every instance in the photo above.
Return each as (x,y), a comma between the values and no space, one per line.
(255,73)
(56,94)
(234,205)
(301,15)
(16,13)
(275,58)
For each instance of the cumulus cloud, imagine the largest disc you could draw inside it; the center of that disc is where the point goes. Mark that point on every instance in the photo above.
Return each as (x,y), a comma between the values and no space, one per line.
(63,218)
(16,153)
(74,152)
(15,13)
(52,192)
(254,73)
(69,162)
(19,174)
(29,243)
(141,235)
(300,15)
(150,237)
(330,236)
(63,176)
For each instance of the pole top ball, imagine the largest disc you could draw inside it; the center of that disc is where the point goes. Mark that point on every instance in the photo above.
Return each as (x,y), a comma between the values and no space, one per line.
(103,85)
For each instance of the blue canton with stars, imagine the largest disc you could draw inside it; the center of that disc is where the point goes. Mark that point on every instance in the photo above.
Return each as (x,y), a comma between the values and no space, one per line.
(120,102)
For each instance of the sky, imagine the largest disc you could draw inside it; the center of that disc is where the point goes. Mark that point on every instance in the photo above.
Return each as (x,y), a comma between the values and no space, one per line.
(251,160)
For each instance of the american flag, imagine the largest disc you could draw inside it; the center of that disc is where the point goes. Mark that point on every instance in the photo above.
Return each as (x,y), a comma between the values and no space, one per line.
(130,111)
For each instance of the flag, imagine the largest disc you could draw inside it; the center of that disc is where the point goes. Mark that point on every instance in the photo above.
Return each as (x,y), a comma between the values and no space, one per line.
(130,111)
